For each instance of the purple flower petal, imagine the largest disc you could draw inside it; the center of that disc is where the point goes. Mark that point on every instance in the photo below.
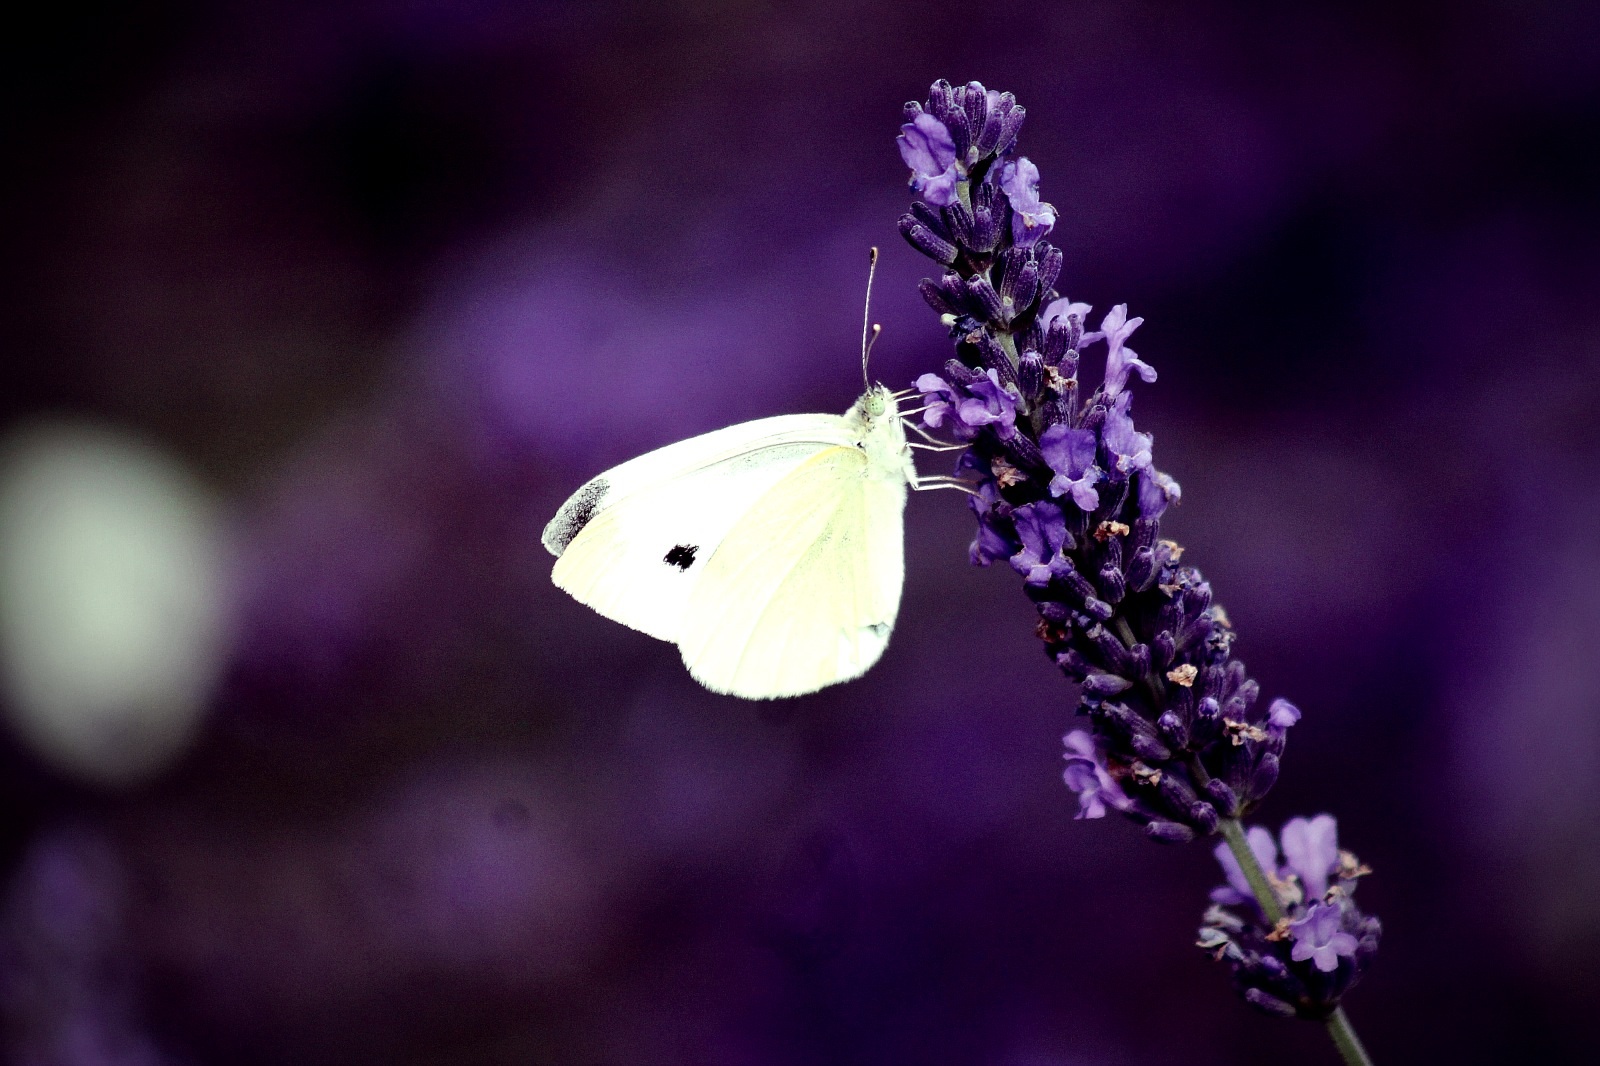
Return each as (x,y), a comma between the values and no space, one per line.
(1042,529)
(1156,492)
(1281,715)
(940,399)
(1311,850)
(1070,453)
(1318,937)
(990,403)
(1130,447)
(1116,328)
(1237,890)
(1086,775)
(927,148)
(992,542)
(1031,217)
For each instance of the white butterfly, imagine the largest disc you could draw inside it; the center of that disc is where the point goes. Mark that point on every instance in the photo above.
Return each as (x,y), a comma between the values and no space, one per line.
(771,552)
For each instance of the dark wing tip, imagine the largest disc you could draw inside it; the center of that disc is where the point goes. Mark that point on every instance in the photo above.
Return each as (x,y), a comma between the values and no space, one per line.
(574,515)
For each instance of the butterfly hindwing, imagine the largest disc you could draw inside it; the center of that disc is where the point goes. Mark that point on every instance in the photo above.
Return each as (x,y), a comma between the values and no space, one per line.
(803,590)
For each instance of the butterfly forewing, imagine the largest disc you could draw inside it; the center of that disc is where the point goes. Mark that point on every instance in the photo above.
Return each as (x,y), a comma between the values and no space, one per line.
(633,542)
(803,590)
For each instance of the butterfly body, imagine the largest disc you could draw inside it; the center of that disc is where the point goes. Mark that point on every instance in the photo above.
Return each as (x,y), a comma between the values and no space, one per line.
(771,552)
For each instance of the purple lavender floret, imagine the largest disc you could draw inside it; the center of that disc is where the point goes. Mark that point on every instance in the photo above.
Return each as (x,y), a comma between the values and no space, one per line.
(1237,890)
(1174,715)
(1031,217)
(1071,454)
(1115,329)
(927,149)
(1086,774)
(1303,964)
(1320,937)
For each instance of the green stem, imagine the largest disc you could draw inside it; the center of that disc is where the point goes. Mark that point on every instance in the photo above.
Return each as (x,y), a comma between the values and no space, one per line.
(1344,1035)
(1233,833)
(1345,1039)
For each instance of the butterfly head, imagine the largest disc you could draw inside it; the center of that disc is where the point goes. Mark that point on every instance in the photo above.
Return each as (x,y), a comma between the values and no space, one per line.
(874,404)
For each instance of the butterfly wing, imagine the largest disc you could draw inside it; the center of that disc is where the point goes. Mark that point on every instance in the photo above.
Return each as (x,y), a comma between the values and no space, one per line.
(634,541)
(803,590)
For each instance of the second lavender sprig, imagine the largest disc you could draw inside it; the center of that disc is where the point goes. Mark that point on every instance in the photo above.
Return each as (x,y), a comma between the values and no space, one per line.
(1067,491)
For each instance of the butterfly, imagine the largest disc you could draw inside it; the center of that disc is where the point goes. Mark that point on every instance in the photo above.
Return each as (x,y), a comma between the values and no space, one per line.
(771,552)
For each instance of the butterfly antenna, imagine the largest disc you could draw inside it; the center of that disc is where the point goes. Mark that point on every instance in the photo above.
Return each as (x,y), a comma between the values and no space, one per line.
(869,331)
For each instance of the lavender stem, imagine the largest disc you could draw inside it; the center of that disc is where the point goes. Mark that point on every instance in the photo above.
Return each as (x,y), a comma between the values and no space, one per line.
(1266,898)
(1345,1039)
(1339,1027)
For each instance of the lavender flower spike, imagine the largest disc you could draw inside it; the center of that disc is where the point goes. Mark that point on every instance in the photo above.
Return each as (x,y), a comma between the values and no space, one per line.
(1174,713)
(1066,489)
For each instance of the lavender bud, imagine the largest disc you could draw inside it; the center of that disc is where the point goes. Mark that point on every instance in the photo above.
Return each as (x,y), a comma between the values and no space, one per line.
(1050,260)
(1203,817)
(959,222)
(1145,532)
(1163,832)
(1053,612)
(1163,649)
(1101,685)
(960,127)
(1112,652)
(1268,1004)
(1149,748)
(1174,730)
(960,372)
(1141,569)
(928,242)
(1265,776)
(1011,127)
(993,123)
(1011,261)
(988,218)
(929,217)
(976,104)
(1223,796)
(934,295)
(1054,344)
(1236,768)
(1176,792)
(1139,660)
(941,100)
(1030,374)
(1248,691)
(1074,665)
(983,293)
(1112,587)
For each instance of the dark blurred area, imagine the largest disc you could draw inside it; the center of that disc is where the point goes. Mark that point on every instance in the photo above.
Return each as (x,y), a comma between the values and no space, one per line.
(319,310)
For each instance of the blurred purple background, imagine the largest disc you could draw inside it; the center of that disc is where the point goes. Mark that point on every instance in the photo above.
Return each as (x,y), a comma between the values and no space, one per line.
(391,279)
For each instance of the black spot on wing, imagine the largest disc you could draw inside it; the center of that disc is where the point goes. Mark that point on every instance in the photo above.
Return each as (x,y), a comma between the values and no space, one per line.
(879,629)
(575,514)
(682,556)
